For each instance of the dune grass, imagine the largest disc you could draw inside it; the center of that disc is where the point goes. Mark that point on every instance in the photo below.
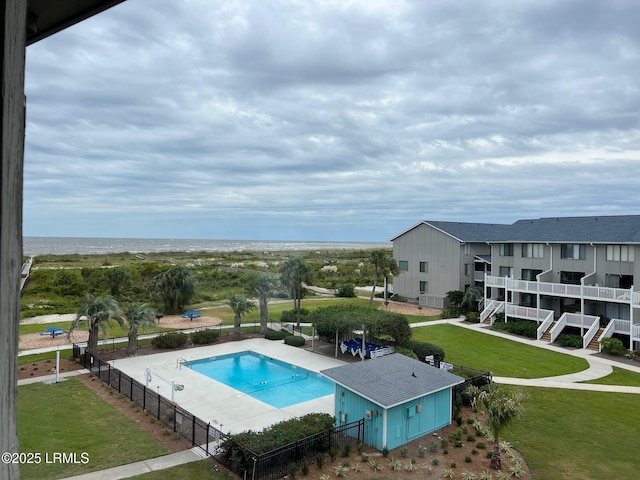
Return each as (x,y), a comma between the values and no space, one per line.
(68,417)
(578,435)
(501,356)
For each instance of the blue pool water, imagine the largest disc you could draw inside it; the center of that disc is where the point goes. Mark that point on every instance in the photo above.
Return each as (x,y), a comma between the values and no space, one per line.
(277,383)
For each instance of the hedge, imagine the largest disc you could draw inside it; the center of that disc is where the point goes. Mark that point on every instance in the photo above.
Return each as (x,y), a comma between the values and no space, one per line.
(526,328)
(273,335)
(423,349)
(170,340)
(294,341)
(204,337)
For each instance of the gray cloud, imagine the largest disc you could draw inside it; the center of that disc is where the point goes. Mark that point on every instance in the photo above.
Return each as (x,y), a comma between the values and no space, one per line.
(329,119)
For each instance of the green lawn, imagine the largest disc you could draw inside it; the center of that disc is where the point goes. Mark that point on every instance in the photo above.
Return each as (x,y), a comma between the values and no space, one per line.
(201,470)
(68,417)
(578,435)
(503,357)
(619,376)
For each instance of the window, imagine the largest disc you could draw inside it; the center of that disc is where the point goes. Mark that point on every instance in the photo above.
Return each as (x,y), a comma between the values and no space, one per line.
(572,278)
(424,287)
(506,272)
(506,249)
(573,251)
(620,253)
(530,275)
(403,265)
(467,249)
(467,269)
(533,250)
(424,267)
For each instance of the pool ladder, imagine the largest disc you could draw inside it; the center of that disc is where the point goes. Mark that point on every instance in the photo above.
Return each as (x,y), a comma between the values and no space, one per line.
(179,362)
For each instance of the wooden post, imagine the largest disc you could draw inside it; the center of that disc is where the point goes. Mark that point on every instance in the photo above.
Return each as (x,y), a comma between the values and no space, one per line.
(13,15)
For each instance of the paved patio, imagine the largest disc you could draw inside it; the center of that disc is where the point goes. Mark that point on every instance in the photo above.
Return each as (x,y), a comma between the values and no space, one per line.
(226,408)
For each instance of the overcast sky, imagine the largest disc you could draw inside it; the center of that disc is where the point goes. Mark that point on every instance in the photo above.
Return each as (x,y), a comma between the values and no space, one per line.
(331,120)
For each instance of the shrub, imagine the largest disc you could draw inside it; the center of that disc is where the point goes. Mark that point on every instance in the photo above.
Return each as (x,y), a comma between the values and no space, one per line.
(319,460)
(294,340)
(346,450)
(451,312)
(170,340)
(305,467)
(570,341)
(406,352)
(423,349)
(290,316)
(612,346)
(525,328)
(204,337)
(273,335)
(472,317)
(346,290)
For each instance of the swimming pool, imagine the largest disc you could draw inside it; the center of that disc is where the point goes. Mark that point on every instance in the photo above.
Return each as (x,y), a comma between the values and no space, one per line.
(277,383)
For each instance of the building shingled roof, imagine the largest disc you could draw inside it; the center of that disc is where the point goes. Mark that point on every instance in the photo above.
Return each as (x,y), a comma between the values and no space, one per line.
(392,380)
(595,229)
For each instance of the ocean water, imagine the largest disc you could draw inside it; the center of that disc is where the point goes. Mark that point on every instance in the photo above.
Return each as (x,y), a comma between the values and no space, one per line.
(33,246)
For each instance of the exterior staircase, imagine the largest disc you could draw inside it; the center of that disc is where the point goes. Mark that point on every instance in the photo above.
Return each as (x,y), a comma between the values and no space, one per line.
(546,336)
(594,344)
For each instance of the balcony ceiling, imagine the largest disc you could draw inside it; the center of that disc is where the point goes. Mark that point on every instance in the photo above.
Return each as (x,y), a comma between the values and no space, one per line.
(46,17)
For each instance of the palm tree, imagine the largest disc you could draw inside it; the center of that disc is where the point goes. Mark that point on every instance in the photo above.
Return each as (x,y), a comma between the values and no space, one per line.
(389,268)
(502,407)
(240,306)
(264,287)
(471,296)
(137,315)
(295,272)
(377,258)
(174,288)
(97,313)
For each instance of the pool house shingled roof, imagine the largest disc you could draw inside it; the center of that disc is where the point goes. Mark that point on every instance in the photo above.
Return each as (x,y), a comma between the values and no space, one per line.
(392,380)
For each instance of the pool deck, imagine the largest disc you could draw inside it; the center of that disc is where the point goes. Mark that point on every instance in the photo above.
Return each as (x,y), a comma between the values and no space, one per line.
(226,408)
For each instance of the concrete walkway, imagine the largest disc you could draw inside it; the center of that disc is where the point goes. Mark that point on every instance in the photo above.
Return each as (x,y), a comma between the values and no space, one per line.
(145,466)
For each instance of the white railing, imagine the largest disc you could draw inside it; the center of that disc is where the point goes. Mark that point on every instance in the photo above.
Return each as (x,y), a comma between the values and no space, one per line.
(636,331)
(558,327)
(582,321)
(530,313)
(588,336)
(544,325)
(590,292)
(500,309)
(608,331)
(481,303)
(491,281)
(489,307)
(478,276)
(621,326)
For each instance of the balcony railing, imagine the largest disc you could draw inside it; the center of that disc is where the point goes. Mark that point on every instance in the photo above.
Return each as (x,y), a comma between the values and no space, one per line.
(590,292)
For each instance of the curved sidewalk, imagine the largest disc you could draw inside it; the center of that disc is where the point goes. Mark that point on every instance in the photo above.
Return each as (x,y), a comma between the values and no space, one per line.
(598,367)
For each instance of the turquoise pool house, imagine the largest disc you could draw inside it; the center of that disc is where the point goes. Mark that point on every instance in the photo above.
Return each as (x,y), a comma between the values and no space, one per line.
(401,399)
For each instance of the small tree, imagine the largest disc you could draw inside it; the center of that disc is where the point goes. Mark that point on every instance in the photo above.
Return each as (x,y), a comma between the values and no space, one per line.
(97,313)
(174,288)
(240,306)
(117,278)
(502,407)
(264,286)
(455,297)
(470,299)
(295,273)
(137,315)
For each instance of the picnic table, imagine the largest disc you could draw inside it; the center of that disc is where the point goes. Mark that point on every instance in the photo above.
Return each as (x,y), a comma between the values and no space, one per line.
(191,315)
(53,332)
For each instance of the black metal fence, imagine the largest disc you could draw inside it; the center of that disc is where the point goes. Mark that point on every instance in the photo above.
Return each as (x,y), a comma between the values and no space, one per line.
(276,463)
(265,466)
(181,421)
